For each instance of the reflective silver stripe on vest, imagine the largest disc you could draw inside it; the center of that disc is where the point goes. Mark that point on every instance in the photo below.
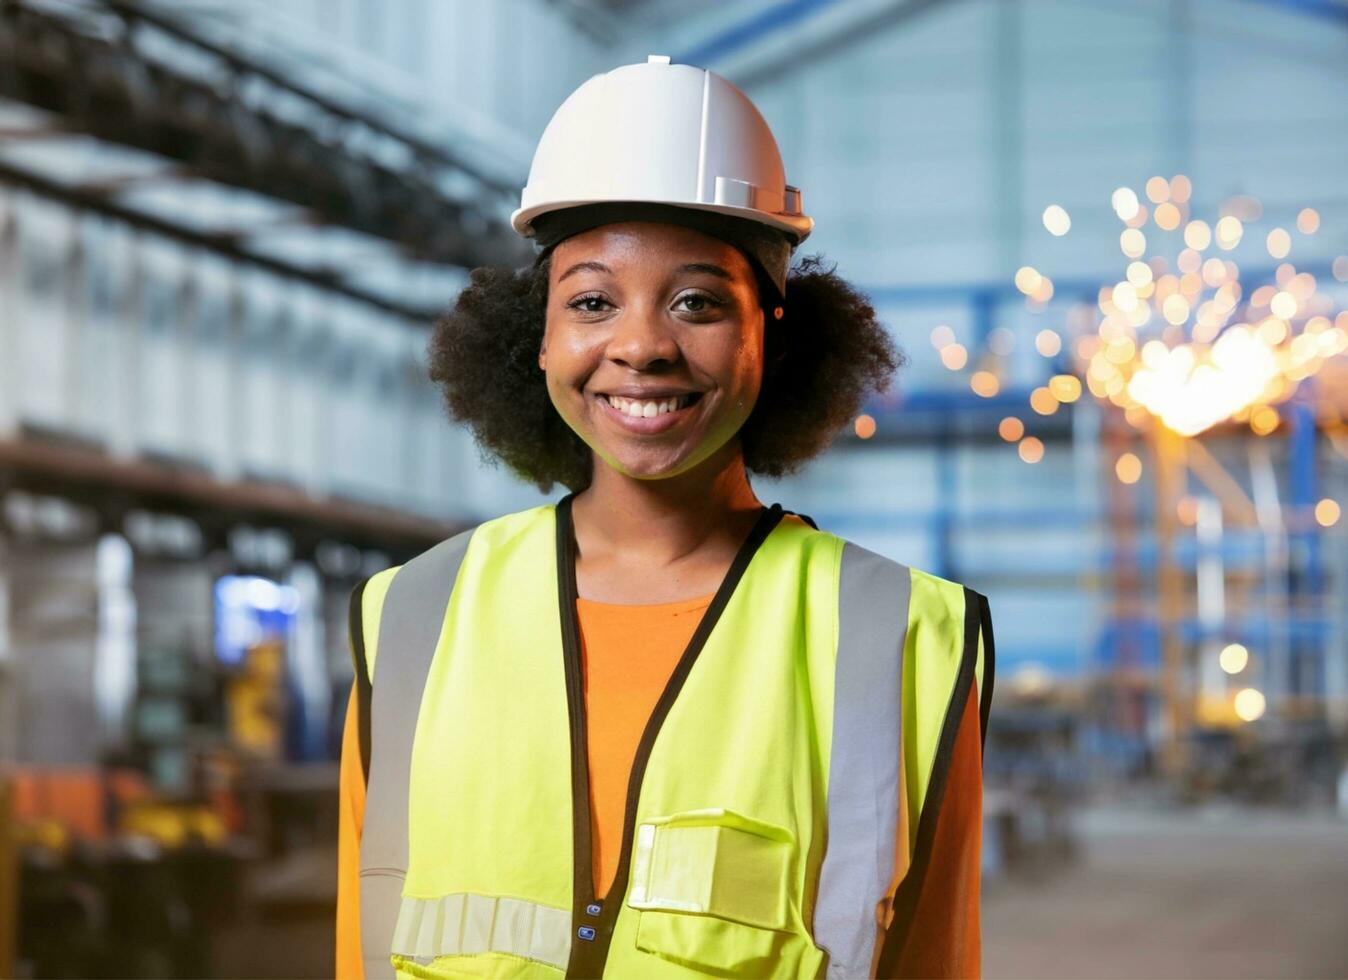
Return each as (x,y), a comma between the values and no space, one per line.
(409,631)
(467,923)
(863,782)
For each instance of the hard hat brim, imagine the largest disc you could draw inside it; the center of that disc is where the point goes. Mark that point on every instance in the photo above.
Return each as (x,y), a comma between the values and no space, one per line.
(796,227)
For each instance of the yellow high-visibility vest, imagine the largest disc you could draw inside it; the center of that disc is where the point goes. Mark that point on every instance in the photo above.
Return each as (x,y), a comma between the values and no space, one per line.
(802,732)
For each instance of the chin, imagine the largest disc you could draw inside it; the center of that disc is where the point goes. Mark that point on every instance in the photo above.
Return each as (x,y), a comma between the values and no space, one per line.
(648,471)
(644,467)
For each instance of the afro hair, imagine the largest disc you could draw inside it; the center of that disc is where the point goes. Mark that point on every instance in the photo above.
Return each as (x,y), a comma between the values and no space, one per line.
(821,360)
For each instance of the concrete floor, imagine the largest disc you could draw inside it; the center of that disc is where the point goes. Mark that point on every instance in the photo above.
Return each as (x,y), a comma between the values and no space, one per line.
(1210,893)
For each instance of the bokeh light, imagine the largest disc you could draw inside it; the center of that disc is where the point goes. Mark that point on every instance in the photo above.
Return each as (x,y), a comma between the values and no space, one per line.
(1279,243)
(1011,428)
(1264,420)
(1233,658)
(1192,347)
(1028,279)
(1065,388)
(1124,202)
(1030,449)
(984,384)
(1043,402)
(1133,243)
(1057,220)
(1197,235)
(1249,704)
(1167,216)
(1228,232)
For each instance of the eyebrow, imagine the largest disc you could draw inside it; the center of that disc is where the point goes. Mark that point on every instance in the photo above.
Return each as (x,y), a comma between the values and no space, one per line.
(708,267)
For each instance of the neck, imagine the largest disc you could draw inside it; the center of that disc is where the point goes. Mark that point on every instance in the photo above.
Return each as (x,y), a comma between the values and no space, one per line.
(671,518)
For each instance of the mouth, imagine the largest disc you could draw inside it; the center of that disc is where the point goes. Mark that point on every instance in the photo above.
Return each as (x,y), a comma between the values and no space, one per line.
(650,407)
(648,415)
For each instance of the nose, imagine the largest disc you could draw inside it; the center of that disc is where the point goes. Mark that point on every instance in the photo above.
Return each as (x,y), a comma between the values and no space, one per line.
(642,342)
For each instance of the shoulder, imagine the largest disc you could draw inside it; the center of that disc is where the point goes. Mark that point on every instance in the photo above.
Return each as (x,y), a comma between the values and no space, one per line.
(942,600)
(518,526)
(930,594)
(436,563)
(495,531)
(858,564)
(491,532)
(937,608)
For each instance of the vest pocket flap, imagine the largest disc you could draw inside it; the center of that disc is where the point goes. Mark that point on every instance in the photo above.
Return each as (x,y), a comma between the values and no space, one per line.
(713,862)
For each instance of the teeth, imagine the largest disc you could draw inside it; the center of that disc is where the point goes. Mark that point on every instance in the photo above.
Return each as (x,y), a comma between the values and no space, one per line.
(645,407)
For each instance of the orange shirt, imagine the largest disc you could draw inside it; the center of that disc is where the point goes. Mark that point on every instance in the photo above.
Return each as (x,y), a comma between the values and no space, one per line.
(628,654)
(350,821)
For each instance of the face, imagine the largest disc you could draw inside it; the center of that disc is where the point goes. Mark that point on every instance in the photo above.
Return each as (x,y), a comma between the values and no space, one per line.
(653,348)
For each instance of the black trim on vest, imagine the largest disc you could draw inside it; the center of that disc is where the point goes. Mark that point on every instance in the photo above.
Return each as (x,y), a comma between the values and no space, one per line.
(910,889)
(364,692)
(588,956)
(582,848)
(989,666)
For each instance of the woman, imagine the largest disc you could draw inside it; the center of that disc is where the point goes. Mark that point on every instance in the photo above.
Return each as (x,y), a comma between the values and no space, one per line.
(659,729)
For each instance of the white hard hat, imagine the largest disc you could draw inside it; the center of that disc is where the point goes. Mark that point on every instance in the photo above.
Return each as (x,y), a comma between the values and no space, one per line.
(663,133)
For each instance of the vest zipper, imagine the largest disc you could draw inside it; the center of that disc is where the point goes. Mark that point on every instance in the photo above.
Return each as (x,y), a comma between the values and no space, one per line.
(593,920)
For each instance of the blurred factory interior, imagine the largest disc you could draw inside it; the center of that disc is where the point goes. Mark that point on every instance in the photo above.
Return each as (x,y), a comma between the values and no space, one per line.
(1112,238)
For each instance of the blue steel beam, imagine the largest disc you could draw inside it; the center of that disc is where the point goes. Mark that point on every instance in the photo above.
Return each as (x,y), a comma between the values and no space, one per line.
(1304,494)
(953,400)
(751,30)
(1325,9)
(975,293)
(810,46)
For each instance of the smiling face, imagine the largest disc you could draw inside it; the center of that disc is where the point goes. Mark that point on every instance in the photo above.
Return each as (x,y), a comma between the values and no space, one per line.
(653,348)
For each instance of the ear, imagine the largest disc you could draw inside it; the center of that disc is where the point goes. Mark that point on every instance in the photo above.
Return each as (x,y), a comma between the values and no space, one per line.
(543,354)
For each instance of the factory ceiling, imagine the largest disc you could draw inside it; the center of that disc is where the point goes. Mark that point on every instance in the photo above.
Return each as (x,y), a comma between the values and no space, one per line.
(258,158)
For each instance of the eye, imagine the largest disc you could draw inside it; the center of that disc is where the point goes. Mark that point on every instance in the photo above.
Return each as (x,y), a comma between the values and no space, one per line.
(582,303)
(705,302)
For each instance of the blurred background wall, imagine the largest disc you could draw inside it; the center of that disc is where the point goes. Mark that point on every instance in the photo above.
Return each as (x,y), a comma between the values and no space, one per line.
(1111,237)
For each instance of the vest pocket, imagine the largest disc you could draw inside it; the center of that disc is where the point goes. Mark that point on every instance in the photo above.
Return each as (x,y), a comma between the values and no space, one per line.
(711,889)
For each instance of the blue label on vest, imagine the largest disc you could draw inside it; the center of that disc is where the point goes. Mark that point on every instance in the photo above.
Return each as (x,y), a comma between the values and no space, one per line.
(586,932)
(593,909)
